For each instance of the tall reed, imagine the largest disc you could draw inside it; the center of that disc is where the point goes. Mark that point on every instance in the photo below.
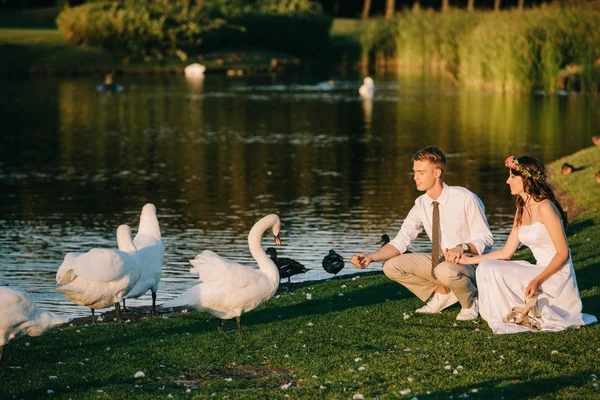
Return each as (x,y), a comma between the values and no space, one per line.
(545,48)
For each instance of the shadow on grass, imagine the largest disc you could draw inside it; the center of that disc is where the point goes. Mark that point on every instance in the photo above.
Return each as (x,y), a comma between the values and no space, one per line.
(516,387)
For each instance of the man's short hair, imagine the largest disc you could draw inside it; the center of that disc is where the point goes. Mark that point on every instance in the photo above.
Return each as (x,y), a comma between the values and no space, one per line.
(432,154)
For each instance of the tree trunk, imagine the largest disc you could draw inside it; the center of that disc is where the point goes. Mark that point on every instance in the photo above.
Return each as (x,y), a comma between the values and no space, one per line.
(445,5)
(521,5)
(390,9)
(496,5)
(471,5)
(366,9)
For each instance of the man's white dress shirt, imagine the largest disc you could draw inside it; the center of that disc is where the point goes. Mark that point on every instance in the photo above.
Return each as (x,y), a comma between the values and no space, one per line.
(462,220)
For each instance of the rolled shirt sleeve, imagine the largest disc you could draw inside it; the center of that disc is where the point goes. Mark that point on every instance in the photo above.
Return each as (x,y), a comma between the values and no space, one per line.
(479,230)
(410,229)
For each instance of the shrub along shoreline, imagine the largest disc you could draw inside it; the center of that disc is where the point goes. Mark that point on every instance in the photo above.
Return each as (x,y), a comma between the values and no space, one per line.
(354,337)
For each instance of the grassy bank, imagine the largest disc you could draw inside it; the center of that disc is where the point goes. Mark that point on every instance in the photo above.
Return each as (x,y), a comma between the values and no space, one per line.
(354,336)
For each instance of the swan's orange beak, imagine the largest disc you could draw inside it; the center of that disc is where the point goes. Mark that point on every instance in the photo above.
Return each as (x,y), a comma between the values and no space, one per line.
(277,240)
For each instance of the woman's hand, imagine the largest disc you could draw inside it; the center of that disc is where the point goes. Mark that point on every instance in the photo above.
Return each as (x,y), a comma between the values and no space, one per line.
(361,261)
(532,289)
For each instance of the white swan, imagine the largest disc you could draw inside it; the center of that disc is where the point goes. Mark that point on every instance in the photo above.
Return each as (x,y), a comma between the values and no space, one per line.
(148,242)
(226,288)
(194,70)
(19,315)
(100,277)
(367,89)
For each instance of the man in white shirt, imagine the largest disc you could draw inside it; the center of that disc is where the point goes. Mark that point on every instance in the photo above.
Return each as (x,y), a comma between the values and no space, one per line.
(454,219)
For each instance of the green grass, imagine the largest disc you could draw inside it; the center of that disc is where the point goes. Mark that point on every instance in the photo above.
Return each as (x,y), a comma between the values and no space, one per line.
(29,18)
(367,342)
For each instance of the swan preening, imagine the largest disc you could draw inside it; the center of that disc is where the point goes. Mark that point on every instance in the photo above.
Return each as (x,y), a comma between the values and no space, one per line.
(148,242)
(226,288)
(194,70)
(19,315)
(101,277)
(367,90)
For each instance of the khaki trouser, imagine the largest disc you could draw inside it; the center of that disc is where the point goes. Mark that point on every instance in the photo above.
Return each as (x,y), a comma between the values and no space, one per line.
(414,272)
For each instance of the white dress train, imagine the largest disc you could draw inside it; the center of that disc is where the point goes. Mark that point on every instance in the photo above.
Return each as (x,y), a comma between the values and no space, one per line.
(501,286)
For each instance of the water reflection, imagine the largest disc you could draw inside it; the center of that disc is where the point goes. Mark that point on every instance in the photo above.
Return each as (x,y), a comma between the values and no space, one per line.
(216,155)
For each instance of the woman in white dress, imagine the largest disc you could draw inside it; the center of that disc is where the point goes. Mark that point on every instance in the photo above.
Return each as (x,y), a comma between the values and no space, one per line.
(507,289)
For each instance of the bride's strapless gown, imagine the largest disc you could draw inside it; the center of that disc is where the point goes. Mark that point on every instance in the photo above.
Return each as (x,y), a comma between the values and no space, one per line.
(501,285)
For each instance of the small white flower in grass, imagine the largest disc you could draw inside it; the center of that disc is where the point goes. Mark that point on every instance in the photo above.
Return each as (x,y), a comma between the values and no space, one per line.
(139,374)
(409,379)
(344,286)
(448,367)
(474,390)
(80,363)
(300,332)
(107,349)
(476,329)
(286,385)
(303,345)
(455,372)
(455,324)
(188,391)
(341,295)
(554,352)
(405,392)
(594,376)
(60,363)
(407,349)
(278,296)
(68,387)
(50,391)
(287,356)
(228,379)
(53,377)
(459,367)
(100,391)
(322,387)
(595,384)
(310,324)
(170,396)
(308,296)
(358,396)
(357,359)
(406,316)
(75,331)
(502,357)
(361,368)
(314,377)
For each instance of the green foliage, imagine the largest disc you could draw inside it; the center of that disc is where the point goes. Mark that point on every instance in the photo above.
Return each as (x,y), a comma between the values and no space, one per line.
(153,30)
(546,48)
(137,29)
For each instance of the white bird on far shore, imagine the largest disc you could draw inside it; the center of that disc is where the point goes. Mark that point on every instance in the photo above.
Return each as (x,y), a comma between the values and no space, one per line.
(367,90)
(194,70)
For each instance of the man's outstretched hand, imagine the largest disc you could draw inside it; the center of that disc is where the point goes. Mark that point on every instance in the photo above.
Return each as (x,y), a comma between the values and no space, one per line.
(361,261)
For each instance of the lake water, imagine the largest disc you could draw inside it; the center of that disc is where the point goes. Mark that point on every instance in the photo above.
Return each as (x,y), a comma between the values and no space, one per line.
(216,155)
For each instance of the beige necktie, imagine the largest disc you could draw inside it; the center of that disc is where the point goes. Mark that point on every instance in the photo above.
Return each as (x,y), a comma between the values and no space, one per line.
(435,237)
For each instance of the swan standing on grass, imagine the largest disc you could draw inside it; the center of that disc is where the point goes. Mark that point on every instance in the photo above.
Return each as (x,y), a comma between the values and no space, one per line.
(367,90)
(226,288)
(148,243)
(19,315)
(100,277)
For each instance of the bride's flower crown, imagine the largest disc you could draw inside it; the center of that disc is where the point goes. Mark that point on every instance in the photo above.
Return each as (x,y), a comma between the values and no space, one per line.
(512,163)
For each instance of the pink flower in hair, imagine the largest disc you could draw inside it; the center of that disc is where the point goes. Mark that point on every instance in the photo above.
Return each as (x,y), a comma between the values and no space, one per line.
(511,162)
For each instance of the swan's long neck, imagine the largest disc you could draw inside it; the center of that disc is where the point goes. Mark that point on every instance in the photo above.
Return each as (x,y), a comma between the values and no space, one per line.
(149,222)
(265,263)
(124,240)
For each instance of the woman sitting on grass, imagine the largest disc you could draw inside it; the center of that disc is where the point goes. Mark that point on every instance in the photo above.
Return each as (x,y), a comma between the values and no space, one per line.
(517,296)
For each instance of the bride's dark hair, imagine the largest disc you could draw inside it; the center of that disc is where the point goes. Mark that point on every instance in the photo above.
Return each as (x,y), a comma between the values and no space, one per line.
(532,171)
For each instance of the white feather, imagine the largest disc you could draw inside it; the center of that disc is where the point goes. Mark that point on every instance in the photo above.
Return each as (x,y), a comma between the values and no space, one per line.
(151,251)
(100,277)
(19,315)
(226,288)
